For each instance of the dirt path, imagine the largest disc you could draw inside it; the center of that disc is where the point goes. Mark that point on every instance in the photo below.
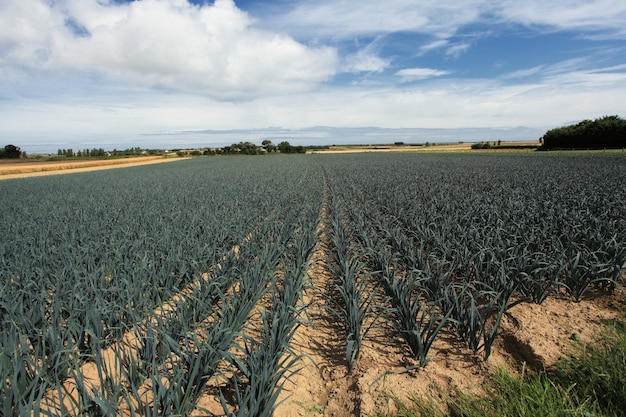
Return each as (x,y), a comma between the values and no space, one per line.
(322,385)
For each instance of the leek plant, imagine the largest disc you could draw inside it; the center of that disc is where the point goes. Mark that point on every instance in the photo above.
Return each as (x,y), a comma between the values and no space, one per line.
(23,377)
(536,279)
(262,364)
(417,320)
(352,302)
(267,362)
(200,353)
(477,311)
(582,272)
(351,297)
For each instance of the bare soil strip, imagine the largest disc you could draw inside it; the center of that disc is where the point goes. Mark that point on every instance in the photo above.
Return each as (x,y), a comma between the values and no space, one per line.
(322,383)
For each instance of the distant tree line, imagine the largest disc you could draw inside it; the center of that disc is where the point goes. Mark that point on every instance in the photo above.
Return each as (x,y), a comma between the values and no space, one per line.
(604,132)
(485,145)
(248,148)
(100,152)
(241,148)
(85,152)
(286,147)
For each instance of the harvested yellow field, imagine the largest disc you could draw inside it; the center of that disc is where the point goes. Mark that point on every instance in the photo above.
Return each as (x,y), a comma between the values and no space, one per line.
(12,169)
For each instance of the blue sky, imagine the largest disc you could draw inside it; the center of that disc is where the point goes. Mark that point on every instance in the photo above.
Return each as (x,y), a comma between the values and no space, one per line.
(179,73)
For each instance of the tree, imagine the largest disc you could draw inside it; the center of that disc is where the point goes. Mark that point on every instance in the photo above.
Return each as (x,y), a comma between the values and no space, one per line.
(286,147)
(242,148)
(268,146)
(248,148)
(11,152)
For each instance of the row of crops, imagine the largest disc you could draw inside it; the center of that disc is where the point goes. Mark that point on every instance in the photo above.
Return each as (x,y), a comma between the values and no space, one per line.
(165,281)
(457,240)
(147,276)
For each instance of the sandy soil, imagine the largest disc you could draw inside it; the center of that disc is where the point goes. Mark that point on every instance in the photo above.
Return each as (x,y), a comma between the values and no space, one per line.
(10,170)
(536,337)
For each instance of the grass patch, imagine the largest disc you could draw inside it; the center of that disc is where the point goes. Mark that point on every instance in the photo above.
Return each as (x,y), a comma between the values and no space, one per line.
(592,382)
(417,407)
(598,372)
(529,395)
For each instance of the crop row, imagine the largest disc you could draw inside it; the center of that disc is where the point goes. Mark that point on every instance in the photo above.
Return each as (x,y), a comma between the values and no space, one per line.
(458,240)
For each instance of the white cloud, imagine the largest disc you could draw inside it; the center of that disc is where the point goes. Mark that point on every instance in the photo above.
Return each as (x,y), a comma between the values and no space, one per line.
(608,16)
(443,19)
(569,69)
(210,49)
(454,51)
(25,27)
(601,78)
(363,61)
(439,43)
(366,59)
(523,73)
(340,18)
(414,74)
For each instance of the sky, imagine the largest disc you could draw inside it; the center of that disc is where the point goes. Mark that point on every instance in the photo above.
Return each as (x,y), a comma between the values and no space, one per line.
(191,73)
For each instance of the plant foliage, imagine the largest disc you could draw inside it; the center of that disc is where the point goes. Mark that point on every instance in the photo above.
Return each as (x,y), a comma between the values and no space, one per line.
(604,132)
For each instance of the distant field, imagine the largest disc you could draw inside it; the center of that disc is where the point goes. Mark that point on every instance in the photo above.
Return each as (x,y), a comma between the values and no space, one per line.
(454,147)
(24,168)
(31,167)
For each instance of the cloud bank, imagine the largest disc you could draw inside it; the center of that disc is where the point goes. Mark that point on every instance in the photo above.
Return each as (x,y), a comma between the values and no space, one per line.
(211,49)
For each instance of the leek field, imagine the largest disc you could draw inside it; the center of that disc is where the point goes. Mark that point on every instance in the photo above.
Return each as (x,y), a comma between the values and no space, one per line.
(142,290)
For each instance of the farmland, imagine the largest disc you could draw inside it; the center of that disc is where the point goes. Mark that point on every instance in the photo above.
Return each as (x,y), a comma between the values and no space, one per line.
(23,168)
(240,285)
